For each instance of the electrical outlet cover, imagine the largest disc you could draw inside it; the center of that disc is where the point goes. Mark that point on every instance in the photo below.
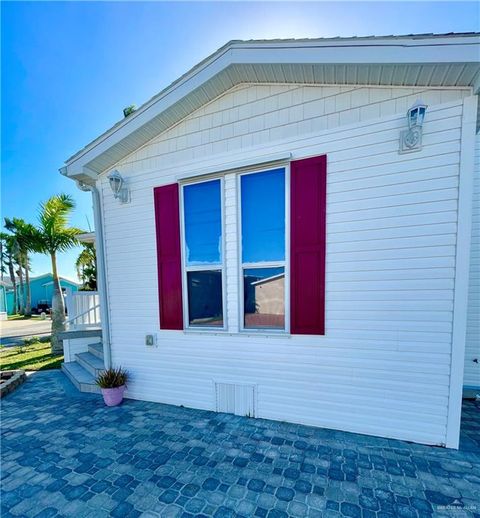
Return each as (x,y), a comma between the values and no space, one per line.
(150,340)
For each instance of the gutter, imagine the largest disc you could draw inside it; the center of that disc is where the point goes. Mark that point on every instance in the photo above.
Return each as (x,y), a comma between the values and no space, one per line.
(101,276)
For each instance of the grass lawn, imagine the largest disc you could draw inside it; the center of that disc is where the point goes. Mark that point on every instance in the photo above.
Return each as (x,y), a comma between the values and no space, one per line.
(32,357)
(23,317)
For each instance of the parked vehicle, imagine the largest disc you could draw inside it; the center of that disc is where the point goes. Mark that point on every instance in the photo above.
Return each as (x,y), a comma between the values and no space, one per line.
(42,307)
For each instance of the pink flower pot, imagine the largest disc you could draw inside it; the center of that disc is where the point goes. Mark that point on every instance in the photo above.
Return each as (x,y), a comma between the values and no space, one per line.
(113,396)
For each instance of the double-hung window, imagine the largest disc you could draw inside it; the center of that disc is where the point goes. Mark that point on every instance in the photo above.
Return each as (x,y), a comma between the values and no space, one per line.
(203,254)
(276,250)
(263,249)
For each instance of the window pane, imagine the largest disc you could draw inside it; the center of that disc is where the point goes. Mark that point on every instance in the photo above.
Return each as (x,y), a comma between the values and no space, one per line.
(263,216)
(203,223)
(264,298)
(205,298)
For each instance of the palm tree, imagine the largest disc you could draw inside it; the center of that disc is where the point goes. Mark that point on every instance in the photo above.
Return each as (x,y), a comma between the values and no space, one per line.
(53,235)
(87,267)
(22,235)
(3,256)
(8,261)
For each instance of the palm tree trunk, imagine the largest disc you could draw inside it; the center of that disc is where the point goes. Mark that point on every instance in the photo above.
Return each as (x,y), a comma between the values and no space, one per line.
(21,292)
(28,303)
(11,272)
(58,310)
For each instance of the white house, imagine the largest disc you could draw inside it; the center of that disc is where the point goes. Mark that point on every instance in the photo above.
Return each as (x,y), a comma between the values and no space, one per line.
(295,161)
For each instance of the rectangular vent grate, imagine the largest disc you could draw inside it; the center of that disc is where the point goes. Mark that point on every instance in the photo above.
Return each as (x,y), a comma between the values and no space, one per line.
(235,399)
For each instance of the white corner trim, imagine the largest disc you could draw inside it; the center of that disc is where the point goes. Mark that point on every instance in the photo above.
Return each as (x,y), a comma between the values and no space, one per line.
(462,264)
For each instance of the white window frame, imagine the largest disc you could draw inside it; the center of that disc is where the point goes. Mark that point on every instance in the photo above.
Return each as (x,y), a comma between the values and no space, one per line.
(264,264)
(203,267)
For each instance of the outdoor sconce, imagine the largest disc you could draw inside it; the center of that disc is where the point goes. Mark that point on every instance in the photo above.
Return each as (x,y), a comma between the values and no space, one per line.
(117,184)
(411,139)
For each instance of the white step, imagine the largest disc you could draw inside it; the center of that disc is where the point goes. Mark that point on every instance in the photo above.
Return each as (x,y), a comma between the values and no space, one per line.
(90,363)
(81,378)
(96,349)
(81,333)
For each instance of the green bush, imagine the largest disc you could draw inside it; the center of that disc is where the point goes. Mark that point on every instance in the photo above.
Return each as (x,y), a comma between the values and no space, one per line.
(112,378)
(31,341)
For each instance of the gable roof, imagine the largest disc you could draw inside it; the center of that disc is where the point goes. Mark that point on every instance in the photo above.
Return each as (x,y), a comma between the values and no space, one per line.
(410,60)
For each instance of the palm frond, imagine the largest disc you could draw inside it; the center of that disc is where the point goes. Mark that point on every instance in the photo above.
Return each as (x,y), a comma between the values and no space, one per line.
(54,233)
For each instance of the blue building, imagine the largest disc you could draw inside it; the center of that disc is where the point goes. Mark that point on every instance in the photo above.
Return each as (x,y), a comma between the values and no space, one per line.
(41,289)
(3,300)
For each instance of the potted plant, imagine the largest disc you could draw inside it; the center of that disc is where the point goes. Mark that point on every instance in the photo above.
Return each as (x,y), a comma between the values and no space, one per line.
(112,383)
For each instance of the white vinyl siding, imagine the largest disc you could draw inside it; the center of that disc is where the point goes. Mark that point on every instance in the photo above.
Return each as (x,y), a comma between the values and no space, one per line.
(383,366)
(471,376)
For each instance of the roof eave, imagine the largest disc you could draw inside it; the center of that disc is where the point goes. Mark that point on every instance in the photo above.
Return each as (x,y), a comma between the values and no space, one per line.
(353,51)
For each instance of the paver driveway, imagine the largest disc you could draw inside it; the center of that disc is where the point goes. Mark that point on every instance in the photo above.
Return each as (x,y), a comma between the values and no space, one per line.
(66,454)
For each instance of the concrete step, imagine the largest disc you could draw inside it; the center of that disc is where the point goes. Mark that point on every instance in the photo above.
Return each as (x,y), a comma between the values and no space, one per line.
(96,350)
(80,378)
(90,363)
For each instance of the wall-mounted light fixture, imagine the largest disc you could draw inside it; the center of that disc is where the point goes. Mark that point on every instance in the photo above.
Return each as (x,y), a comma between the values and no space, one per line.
(411,139)
(117,184)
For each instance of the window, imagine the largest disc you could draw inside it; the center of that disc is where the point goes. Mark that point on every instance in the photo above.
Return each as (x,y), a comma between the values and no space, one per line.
(203,254)
(263,231)
(280,251)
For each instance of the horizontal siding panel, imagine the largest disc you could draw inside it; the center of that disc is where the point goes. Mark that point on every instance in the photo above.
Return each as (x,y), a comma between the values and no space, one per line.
(392,222)
(237,369)
(392,243)
(430,284)
(420,185)
(359,186)
(404,274)
(392,264)
(393,200)
(424,207)
(396,232)
(424,165)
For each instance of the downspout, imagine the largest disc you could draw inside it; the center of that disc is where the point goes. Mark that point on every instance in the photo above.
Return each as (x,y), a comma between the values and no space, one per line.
(101,275)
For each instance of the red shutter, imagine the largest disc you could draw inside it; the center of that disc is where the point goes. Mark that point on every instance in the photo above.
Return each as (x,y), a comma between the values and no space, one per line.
(167,222)
(307,245)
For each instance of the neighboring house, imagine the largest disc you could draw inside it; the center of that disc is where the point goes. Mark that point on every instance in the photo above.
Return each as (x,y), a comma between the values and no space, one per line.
(264,299)
(292,163)
(41,289)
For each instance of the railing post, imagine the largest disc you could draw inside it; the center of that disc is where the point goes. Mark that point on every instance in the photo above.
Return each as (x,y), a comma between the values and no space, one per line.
(70,306)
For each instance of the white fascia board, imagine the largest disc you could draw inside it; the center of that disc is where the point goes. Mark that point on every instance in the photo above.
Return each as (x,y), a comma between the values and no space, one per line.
(391,51)
(374,41)
(366,52)
(147,112)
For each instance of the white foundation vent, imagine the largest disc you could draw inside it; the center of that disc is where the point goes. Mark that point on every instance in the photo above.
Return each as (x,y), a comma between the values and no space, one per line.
(235,399)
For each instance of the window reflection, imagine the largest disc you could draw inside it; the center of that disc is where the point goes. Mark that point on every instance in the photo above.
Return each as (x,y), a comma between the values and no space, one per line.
(264,298)
(205,298)
(203,223)
(263,216)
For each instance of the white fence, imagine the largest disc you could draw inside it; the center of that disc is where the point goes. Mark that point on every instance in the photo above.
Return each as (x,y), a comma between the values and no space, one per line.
(83,309)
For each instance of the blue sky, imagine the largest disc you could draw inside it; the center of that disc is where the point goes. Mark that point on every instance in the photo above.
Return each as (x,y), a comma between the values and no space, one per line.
(69,68)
